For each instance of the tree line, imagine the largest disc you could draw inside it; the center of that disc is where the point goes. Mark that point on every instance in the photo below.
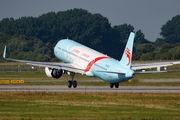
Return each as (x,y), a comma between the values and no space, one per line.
(33,38)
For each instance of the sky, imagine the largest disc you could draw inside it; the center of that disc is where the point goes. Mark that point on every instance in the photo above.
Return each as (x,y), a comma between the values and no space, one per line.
(145,15)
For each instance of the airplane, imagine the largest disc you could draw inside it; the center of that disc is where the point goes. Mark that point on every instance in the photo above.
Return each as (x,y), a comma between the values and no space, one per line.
(78,58)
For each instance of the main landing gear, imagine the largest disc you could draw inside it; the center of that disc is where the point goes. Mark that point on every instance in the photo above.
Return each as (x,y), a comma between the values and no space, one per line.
(114,84)
(72,83)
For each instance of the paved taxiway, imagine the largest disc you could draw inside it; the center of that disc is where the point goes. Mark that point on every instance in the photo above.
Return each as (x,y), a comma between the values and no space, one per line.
(64,88)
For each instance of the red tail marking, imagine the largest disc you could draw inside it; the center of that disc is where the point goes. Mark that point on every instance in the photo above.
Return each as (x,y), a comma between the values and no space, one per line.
(127,52)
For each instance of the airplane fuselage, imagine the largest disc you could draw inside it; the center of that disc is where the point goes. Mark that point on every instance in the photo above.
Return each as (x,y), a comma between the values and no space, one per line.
(95,64)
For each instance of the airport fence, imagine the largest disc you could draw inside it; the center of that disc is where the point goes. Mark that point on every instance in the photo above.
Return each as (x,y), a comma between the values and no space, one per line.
(19,68)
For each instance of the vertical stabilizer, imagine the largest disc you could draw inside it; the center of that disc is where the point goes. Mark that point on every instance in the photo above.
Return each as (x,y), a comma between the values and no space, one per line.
(127,54)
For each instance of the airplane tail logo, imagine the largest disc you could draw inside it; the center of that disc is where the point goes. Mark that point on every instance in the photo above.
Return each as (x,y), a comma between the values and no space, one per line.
(127,55)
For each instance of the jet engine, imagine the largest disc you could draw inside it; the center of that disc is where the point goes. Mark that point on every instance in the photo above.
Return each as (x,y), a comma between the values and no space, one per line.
(54,73)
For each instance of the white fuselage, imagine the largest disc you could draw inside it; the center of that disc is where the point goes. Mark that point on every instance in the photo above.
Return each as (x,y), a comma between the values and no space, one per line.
(94,63)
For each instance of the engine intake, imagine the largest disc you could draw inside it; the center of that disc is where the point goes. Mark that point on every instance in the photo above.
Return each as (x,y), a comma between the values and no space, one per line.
(54,73)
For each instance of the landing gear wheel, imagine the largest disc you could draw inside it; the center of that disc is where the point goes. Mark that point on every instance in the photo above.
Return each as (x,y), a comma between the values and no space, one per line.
(116,85)
(111,85)
(69,84)
(74,84)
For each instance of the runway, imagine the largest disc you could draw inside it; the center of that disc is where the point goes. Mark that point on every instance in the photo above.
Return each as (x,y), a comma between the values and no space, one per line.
(64,88)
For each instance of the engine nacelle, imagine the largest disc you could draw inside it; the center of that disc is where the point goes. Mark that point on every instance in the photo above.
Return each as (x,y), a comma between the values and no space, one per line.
(54,73)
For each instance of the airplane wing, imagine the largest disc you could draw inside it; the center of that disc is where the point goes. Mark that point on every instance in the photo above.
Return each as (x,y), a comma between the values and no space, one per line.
(72,67)
(137,66)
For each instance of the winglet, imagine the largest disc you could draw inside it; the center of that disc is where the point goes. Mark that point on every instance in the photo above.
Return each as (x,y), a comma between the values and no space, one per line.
(4,55)
(127,55)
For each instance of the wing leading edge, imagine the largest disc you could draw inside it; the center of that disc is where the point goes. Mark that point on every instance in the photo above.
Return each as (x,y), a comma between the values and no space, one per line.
(72,67)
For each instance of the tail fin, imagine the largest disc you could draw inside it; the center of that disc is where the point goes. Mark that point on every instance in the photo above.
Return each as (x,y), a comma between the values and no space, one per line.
(127,55)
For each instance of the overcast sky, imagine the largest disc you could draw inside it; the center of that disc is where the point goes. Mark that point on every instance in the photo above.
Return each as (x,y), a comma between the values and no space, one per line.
(145,15)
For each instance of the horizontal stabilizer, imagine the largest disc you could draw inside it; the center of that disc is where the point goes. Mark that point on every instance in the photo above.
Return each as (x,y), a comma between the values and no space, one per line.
(112,72)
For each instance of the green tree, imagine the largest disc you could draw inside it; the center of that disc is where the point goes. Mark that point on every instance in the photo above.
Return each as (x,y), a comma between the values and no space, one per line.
(144,53)
(170,31)
(159,42)
(33,38)
(139,38)
(166,47)
(121,32)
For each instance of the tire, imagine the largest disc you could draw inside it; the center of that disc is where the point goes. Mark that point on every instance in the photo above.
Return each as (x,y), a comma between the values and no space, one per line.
(74,84)
(111,85)
(69,84)
(116,85)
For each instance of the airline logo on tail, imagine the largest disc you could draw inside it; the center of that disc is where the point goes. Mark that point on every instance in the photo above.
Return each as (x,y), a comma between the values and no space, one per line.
(128,54)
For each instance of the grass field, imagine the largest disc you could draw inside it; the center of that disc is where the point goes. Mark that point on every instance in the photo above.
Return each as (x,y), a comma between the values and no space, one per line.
(51,105)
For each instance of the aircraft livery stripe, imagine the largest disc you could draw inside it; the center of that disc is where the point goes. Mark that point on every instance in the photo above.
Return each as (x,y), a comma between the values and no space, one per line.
(94,61)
